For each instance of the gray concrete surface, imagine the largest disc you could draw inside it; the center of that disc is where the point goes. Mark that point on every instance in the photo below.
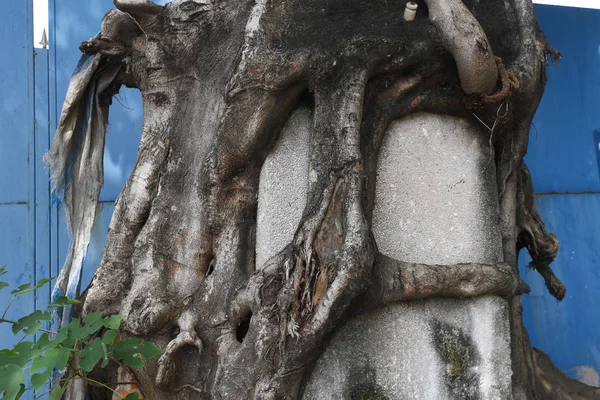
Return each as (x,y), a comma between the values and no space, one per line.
(436,202)
(283,187)
(436,198)
(430,350)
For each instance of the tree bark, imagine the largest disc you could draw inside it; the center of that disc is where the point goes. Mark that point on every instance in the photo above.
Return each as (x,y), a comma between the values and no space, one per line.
(219,79)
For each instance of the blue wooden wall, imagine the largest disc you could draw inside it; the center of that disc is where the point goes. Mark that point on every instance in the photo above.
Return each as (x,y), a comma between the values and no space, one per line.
(18,162)
(564,161)
(563,158)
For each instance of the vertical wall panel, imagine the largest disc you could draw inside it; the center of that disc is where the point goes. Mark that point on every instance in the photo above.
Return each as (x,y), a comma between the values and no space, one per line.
(562,153)
(15,111)
(15,253)
(563,159)
(42,183)
(17,175)
(569,331)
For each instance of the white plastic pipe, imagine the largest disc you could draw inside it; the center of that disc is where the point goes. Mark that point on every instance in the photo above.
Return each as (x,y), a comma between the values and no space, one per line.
(410,11)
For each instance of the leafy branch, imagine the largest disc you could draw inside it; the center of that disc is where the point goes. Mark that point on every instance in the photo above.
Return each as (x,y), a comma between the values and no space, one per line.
(87,343)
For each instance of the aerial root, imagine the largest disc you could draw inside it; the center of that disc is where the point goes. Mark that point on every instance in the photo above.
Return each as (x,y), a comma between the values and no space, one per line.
(541,245)
(397,281)
(167,367)
(466,40)
(554,285)
(508,86)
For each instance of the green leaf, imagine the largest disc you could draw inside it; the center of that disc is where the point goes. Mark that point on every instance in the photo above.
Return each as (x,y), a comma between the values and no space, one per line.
(93,322)
(53,358)
(130,350)
(149,350)
(44,343)
(133,396)
(91,354)
(31,323)
(109,337)
(38,380)
(92,318)
(58,392)
(7,356)
(61,358)
(2,272)
(61,335)
(76,331)
(126,351)
(11,379)
(63,301)
(19,355)
(81,330)
(112,322)
(25,288)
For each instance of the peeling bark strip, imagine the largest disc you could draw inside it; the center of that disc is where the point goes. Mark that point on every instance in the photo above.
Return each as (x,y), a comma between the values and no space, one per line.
(76,162)
(219,80)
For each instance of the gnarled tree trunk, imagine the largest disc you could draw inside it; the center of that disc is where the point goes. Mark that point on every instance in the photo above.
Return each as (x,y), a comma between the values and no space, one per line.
(219,81)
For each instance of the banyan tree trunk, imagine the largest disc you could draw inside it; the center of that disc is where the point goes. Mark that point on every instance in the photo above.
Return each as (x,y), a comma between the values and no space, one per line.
(328,199)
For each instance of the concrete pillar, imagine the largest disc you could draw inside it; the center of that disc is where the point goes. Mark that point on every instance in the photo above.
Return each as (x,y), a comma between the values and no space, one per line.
(282,188)
(436,202)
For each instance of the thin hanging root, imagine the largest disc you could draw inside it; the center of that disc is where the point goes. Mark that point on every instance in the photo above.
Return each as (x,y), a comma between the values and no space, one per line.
(553,284)
(542,246)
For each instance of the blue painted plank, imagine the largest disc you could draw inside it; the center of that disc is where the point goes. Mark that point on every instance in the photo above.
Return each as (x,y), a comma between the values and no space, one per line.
(563,155)
(54,110)
(568,331)
(42,183)
(17,155)
(15,250)
(75,23)
(15,110)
